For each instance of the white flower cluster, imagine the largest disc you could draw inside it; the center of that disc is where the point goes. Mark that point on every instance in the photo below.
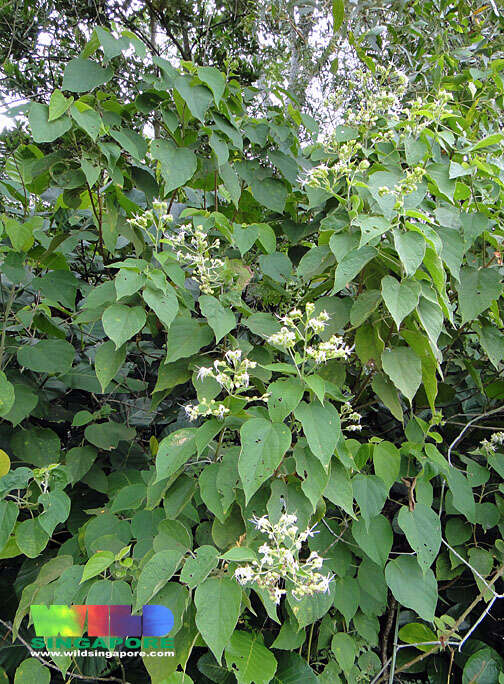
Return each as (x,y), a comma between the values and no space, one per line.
(326,177)
(280,565)
(419,114)
(380,95)
(299,327)
(206,408)
(405,186)
(160,218)
(232,374)
(491,445)
(333,348)
(193,250)
(350,419)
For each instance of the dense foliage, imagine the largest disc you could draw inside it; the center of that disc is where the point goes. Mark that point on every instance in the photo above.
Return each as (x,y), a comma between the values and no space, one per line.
(254,374)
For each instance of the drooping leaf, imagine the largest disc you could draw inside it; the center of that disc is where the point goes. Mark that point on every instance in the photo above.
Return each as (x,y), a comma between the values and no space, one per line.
(411,249)
(321,425)
(387,462)
(376,539)
(249,659)
(214,79)
(217,602)
(263,447)
(370,493)
(400,297)
(404,368)
(174,451)
(220,319)
(7,395)
(412,588)
(178,164)
(158,570)
(422,528)
(478,289)
(108,361)
(122,322)
(164,304)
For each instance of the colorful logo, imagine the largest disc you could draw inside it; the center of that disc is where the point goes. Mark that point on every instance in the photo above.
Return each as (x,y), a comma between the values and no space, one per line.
(114,621)
(113,626)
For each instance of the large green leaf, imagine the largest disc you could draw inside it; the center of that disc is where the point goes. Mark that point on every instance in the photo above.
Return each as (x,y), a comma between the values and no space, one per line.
(249,659)
(197,569)
(174,451)
(370,493)
(217,601)
(339,489)
(56,509)
(400,297)
(186,337)
(178,164)
(155,574)
(7,395)
(108,435)
(284,397)
(404,368)
(58,105)
(164,304)
(461,490)
(47,356)
(220,319)
(98,563)
(31,537)
(44,130)
(293,669)
(82,75)
(214,79)
(387,462)
(350,265)
(86,118)
(411,249)
(321,425)
(411,587)
(270,192)
(196,97)
(422,528)
(345,649)
(375,539)
(132,142)
(478,289)
(263,447)
(37,445)
(122,322)
(31,671)
(108,361)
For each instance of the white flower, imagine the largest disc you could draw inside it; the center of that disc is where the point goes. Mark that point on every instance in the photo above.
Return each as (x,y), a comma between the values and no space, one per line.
(278,593)
(233,355)
(203,372)
(244,574)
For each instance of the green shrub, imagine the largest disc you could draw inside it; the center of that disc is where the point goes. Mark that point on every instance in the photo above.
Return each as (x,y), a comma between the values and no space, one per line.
(239,368)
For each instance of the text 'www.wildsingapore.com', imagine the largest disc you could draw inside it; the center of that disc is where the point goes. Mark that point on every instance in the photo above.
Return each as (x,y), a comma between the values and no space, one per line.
(112,631)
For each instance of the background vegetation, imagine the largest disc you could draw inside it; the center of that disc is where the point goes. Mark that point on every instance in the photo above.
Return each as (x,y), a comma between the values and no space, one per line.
(251,344)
